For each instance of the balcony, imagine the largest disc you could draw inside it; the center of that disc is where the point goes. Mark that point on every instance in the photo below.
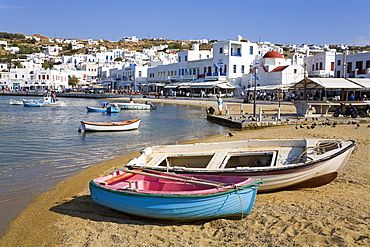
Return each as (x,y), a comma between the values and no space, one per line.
(216,74)
(234,54)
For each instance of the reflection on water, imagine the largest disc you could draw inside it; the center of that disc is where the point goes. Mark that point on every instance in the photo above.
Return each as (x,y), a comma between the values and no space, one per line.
(40,146)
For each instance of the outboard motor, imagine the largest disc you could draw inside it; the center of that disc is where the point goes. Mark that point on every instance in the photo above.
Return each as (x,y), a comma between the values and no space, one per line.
(152,106)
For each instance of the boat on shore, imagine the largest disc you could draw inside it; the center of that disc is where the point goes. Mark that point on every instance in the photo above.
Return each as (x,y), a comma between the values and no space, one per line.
(280,163)
(110,126)
(168,196)
(131,105)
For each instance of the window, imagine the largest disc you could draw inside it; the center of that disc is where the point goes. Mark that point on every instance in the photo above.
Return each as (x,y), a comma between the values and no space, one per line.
(250,50)
(367,64)
(295,71)
(317,66)
(332,66)
(242,69)
(321,66)
(234,68)
(349,67)
(339,62)
(179,59)
(186,58)
(313,67)
(221,50)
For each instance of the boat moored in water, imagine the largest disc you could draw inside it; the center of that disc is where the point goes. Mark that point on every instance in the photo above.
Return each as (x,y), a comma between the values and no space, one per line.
(15,102)
(110,126)
(136,106)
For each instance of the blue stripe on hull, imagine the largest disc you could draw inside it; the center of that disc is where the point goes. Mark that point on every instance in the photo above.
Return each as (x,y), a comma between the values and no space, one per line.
(234,204)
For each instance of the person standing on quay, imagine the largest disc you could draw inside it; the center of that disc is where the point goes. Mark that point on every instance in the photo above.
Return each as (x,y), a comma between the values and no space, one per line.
(219,104)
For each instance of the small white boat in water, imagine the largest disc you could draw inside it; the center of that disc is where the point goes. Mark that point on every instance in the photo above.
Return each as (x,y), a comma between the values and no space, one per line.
(32,103)
(110,126)
(15,102)
(135,106)
(47,101)
(50,102)
(280,163)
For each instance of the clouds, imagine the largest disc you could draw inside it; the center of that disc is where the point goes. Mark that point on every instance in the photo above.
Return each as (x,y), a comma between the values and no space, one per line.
(359,40)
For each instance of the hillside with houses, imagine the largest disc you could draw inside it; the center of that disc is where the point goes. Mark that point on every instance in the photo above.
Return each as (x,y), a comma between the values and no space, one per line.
(196,67)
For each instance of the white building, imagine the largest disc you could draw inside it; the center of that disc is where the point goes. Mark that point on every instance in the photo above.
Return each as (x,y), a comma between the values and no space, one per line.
(37,79)
(12,49)
(273,69)
(357,65)
(320,65)
(53,50)
(92,42)
(131,39)
(227,61)
(3,66)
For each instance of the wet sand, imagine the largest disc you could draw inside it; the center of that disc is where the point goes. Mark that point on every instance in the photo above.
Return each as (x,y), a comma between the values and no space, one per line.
(337,214)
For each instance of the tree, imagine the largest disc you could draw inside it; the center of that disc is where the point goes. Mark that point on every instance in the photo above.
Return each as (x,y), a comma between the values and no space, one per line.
(118,59)
(47,65)
(73,81)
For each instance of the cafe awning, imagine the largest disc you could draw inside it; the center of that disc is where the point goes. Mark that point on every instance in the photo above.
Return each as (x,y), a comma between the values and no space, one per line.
(326,83)
(364,82)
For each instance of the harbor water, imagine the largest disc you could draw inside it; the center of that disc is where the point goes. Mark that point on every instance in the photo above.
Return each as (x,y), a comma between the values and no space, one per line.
(40,146)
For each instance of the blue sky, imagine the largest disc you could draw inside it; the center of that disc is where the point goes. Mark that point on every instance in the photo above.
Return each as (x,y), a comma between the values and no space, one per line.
(280,22)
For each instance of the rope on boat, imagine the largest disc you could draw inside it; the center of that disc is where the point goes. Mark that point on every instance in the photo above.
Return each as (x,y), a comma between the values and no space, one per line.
(240,201)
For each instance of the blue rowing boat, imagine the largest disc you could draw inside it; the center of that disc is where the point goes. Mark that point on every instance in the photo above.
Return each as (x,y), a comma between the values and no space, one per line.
(175,197)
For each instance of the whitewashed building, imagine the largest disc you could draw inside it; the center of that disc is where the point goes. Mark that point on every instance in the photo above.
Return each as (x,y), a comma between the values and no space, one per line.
(357,65)
(37,79)
(53,50)
(273,69)
(320,65)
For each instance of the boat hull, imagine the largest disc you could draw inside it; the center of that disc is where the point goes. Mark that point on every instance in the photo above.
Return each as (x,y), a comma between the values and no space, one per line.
(113,109)
(234,203)
(56,104)
(111,126)
(15,102)
(33,104)
(95,109)
(133,106)
(320,170)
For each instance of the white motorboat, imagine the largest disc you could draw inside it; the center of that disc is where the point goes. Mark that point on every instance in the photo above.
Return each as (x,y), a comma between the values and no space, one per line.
(280,163)
(131,105)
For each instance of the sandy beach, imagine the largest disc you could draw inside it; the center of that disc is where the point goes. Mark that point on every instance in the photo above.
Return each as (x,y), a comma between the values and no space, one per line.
(337,214)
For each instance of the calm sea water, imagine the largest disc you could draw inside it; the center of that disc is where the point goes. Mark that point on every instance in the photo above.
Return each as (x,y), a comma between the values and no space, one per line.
(40,146)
